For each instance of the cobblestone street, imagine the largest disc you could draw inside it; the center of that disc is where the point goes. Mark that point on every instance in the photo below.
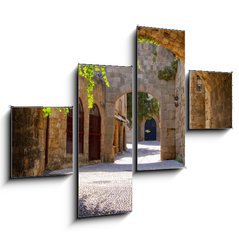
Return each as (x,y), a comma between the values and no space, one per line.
(149,157)
(106,188)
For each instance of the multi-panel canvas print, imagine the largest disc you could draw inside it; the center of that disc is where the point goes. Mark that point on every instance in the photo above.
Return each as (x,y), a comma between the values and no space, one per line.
(41,141)
(104,140)
(210,96)
(160,98)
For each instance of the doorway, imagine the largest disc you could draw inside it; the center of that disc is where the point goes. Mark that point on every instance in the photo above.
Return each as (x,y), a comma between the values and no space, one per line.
(94,133)
(150,130)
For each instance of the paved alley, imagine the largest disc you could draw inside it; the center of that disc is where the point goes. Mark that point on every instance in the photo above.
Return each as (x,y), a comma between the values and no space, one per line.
(106,188)
(149,157)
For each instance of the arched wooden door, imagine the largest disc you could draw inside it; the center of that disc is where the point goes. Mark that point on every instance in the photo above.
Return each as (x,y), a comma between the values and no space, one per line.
(81,127)
(94,133)
(150,130)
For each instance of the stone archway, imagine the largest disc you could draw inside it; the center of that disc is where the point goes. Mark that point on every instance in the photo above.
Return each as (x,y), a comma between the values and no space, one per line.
(149,81)
(120,79)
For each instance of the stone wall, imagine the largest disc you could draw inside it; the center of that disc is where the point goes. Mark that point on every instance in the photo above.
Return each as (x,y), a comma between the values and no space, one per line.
(120,80)
(99,99)
(57,156)
(129,134)
(180,113)
(29,135)
(147,75)
(197,103)
(212,107)
(173,40)
(121,105)
(221,105)
(28,142)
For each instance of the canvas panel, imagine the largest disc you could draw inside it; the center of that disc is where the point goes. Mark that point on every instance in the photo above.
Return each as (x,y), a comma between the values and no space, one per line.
(210,100)
(104,140)
(161,98)
(41,141)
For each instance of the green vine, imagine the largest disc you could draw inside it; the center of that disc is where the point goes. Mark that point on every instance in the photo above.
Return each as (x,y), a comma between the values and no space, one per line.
(88,72)
(169,72)
(152,42)
(147,40)
(48,111)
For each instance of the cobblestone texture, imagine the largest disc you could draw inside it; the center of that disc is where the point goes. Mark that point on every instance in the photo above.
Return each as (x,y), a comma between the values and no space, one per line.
(106,188)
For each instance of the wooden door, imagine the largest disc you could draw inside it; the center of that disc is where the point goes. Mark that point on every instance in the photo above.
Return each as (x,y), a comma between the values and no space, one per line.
(150,130)
(94,133)
(69,129)
(81,127)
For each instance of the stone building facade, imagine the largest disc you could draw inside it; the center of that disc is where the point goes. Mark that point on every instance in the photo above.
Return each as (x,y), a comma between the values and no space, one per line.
(210,100)
(120,123)
(40,143)
(170,93)
(99,144)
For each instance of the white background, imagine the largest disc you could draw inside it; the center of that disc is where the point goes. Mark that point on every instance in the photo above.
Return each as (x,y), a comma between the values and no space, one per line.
(41,43)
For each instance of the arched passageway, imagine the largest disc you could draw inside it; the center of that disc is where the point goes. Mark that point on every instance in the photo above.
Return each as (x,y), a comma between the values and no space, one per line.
(160,73)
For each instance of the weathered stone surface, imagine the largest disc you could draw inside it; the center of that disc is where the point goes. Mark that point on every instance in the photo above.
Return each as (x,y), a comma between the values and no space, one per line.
(211,107)
(173,40)
(120,80)
(29,142)
(171,117)
(27,156)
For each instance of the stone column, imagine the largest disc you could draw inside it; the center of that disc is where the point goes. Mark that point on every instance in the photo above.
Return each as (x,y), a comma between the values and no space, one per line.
(109,132)
(167,123)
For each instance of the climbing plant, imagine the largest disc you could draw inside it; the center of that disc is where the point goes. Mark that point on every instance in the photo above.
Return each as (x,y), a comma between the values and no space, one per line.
(88,72)
(48,111)
(147,106)
(169,72)
(147,40)
(153,43)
